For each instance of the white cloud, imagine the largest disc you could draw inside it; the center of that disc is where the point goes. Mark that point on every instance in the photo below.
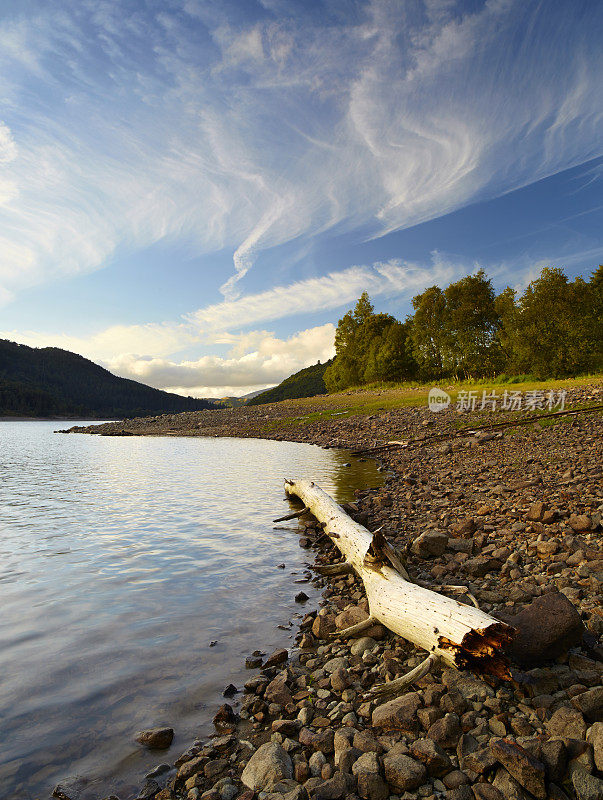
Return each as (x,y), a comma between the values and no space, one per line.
(227,130)
(331,291)
(257,359)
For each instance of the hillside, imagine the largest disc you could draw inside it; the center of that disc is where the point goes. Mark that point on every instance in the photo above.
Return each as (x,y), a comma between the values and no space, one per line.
(42,382)
(307,382)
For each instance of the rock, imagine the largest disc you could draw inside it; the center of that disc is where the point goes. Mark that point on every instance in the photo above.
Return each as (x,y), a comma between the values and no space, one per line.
(230,690)
(347,759)
(191,767)
(321,740)
(371,786)
(586,786)
(365,742)
(402,772)
(333,788)
(446,731)
(334,664)
(354,615)
(278,692)
(545,629)
(399,714)
(481,565)
(590,703)
(156,738)
(367,762)
(526,769)
(485,791)
(225,718)
(267,766)
(467,685)
(431,754)
(508,786)
(301,597)
(253,661)
(288,727)
(554,757)
(430,544)
(340,679)
(213,768)
(580,522)
(566,723)
(360,646)
(323,625)
(316,762)
(278,657)
(464,528)
(595,737)
(536,512)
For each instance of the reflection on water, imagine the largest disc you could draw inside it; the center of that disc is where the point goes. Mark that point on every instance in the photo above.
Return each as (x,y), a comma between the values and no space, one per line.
(120,560)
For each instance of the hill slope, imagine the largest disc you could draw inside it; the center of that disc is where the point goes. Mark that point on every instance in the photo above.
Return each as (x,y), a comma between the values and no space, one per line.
(307,382)
(48,381)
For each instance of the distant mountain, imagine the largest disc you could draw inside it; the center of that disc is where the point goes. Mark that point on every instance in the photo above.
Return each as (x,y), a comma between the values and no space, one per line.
(307,382)
(45,382)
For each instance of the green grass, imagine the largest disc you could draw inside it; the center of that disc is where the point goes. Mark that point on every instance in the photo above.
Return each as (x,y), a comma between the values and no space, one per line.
(377,398)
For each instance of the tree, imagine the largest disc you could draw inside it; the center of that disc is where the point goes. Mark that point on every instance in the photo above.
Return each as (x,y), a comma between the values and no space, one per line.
(470,327)
(427,332)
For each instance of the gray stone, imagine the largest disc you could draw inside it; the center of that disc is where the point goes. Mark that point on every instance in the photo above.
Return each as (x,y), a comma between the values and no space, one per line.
(566,723)
(587,786)
(316,762)
(430,544)
(361,645)
(321,740)
(595,737)
(554,758)
(367,762)
(402,772)
(467,685)
(446,731)
(372,786)
(267,766)
(431,754)
(508,786)
(333,788)
(590,703)
(398,714)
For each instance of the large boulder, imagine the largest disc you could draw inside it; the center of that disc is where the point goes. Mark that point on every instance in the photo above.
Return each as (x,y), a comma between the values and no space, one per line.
(267,766)
(545,629)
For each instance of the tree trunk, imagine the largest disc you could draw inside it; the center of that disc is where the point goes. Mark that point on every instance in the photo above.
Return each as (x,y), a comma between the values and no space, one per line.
(458,634)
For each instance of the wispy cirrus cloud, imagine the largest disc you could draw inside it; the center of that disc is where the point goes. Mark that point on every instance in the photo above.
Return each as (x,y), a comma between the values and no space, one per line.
(244,127)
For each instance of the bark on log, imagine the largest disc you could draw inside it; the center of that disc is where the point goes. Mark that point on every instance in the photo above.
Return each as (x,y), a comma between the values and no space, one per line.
(460,635)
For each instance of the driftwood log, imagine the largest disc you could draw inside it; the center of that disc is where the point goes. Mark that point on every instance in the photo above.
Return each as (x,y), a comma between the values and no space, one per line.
(459,635)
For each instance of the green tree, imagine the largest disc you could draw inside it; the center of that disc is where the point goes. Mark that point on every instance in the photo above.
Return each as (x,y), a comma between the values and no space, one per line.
(427,332)
(470,327)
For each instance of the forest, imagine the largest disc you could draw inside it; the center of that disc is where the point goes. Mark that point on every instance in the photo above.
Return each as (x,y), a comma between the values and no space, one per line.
(52,382)
(553,329)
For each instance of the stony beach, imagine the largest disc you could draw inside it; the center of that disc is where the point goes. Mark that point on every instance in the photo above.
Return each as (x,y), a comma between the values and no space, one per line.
(514,518)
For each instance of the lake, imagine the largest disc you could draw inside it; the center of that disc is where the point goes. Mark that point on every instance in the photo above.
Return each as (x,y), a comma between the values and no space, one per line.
(121,559)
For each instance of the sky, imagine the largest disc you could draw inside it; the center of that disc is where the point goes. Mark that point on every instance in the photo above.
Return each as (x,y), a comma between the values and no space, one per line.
(193,192)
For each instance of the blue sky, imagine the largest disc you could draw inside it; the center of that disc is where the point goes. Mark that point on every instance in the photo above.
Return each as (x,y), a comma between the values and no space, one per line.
(192,192)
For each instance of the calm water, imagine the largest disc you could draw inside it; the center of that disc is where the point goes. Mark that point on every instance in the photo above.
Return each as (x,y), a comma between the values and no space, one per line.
(120,560)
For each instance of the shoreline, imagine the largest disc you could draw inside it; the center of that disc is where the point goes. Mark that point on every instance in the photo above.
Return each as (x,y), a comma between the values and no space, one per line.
(512,537)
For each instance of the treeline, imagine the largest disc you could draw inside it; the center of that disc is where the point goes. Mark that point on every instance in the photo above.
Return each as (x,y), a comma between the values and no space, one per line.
(49,381)
(554,329)
(308,382)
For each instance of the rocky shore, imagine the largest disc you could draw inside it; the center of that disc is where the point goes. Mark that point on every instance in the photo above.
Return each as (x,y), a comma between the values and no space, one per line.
(514,517)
